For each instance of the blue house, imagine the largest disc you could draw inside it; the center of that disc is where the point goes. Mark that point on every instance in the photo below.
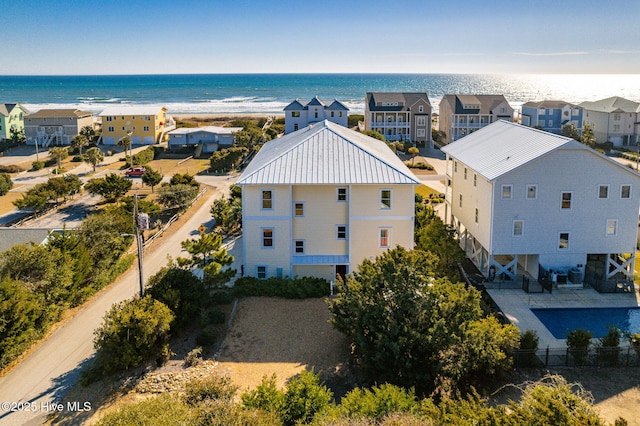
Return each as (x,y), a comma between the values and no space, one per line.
(552,116)
(301,113)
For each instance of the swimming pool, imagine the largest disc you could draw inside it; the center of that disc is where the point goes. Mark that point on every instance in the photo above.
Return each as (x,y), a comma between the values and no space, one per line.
(597,320)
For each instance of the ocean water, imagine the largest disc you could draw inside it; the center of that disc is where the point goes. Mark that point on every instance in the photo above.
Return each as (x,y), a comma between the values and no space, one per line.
(270,93)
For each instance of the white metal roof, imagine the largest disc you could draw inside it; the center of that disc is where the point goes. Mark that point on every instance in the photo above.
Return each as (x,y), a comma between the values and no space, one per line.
(504,146)
(326,153)
(131,110)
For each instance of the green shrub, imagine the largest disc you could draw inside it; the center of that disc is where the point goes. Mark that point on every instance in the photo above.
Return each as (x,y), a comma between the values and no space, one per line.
(10,168)
(215,316)
(37,165)
(5,183)
(353,119)
(297,288)
(266,396)
(227,158)
(305,396)
(76,159)
(578,342)
(529,341)
(132,331)
(609,346)
(209,388)
(634,340)
(379,401)
(165,409)
(143,157)
(194,357)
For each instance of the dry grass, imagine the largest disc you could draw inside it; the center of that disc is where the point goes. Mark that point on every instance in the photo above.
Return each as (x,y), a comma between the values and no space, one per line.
(6,201)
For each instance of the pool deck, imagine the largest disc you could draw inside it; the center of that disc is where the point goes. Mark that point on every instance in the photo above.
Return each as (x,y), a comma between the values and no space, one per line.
(516,305)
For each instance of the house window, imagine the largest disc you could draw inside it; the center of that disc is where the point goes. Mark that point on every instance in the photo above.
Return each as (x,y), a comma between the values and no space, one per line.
(532,192)
(566,200)
(298,209)
(109,118)
(145,128)
(110,129)
(342,195)
(612,227)
(475,179)
(616,116)
(465,173)
(421,108)
(518,228)
(616,127)
(315,114)
(421,121)
(506,192)
(267,200)
(332,113)
(278,272)
(625,191)
(541,111)
(339,113)
(550,123)
(455,166)
(299,246)
(542,123)
(476,216)
(563,241)
(341,232)
(603,191)
(295,113)
(420,133)
(460,201)
(385,199)
(295,127)
(385,237)
(261,272)
(267,237)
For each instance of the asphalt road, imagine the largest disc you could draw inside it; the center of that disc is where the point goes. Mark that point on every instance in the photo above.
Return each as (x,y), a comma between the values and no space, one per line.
(38,383)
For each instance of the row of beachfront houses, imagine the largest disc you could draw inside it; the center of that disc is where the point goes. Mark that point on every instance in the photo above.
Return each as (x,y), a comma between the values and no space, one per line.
(408,116)
(403,117)
(524,202)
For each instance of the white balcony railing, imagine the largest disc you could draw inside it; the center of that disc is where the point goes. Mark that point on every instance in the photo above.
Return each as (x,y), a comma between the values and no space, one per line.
(390,124)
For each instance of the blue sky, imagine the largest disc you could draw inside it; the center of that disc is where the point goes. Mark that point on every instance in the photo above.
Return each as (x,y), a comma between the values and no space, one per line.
(246,36)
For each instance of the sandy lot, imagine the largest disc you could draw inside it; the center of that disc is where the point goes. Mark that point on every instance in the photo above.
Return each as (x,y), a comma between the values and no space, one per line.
(284,337)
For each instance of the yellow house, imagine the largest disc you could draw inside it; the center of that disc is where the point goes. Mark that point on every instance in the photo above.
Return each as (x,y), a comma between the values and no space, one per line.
(146,124)
(319,201)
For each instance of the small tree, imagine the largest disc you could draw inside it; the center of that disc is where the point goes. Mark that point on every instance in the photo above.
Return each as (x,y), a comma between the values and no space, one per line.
(132,331)
(571,131)
(587,136)
(413,151)
(125,143)
(111,187)
(5,183)
(529,341)
(93,156)
(59,153)
(208,254)
(578,342)
(151,177)
(17,136)
(89,133)
(305,396)
(79,142)
(177,196)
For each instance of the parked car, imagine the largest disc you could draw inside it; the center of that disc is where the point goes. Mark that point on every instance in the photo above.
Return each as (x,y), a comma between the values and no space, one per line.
(135,172)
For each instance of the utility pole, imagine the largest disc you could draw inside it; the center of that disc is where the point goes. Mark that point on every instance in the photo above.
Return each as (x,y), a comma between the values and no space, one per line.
(139,242)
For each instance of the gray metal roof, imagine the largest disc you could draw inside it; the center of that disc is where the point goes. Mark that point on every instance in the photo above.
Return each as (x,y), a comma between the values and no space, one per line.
(299,105)
(326,153)
(487,103)
(10,237)
(503,146)
(394,101)
(551,104)
(612,104)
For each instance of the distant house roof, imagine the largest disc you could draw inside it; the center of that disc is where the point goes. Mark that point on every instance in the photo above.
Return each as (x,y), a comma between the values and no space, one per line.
(326,153)
(612,104)
(550,104)
(69,112)
(503,146)
(10,237)
(131,110)
(207,129)
(394,101)
(299,105)
(474,104)
(6,109)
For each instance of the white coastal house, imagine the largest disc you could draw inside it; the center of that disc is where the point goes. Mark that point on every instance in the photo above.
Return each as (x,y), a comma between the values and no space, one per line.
(206,139)
(319,201)
(301,113)
(615,120)
(525,201)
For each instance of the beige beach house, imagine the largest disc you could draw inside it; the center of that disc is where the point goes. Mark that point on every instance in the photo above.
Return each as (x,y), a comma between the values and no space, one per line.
(319,201)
